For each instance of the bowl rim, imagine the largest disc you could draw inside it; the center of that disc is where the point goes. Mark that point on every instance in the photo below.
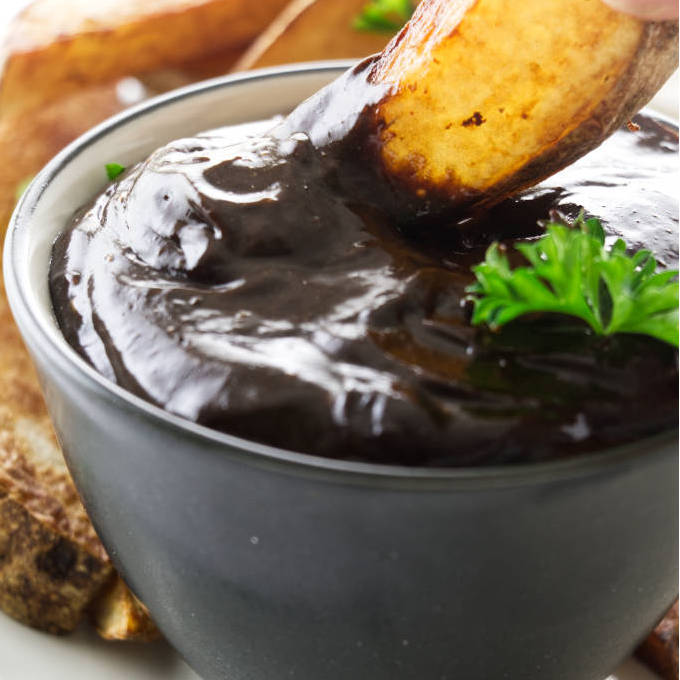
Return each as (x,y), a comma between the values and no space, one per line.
(35,324)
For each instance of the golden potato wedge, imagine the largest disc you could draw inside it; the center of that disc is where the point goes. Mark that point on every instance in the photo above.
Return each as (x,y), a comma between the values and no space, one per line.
(52,562)
(488,97)
(307,30)
(57,46)
(118,615)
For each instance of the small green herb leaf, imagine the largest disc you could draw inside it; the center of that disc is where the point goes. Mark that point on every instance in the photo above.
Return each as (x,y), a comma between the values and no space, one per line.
(384,15)
(572,272)
(113,170)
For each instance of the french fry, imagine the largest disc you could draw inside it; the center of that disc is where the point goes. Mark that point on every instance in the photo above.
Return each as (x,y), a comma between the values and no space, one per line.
(58,46)
(489,97)
(307,30)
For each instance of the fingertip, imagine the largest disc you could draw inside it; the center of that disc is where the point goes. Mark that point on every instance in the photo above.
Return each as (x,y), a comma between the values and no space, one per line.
(649,10)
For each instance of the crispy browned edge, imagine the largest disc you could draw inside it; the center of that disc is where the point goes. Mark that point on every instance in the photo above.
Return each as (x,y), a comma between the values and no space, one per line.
(656,59)
(46,580)
(660,650)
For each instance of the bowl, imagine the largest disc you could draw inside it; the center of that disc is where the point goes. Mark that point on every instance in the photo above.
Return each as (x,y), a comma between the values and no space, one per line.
(266,564)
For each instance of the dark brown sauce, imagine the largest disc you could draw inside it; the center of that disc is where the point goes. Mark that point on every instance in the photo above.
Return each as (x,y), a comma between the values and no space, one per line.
(280,290)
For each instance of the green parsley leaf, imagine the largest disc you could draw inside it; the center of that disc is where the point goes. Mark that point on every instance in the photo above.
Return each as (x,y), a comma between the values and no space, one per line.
(572,272)
(384,15)
(113,170)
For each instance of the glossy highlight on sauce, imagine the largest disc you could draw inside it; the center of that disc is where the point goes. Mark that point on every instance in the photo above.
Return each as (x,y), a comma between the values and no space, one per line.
(264,284)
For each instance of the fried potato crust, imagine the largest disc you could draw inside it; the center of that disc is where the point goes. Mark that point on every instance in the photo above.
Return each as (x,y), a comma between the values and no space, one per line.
(51,561)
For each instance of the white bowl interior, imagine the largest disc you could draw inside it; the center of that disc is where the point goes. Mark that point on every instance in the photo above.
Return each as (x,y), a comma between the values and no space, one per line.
(78,174)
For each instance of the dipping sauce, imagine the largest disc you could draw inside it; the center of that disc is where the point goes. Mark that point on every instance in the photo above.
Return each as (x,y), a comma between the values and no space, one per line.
(242,286)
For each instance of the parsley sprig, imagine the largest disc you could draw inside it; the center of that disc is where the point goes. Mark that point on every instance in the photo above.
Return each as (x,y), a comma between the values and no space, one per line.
(384,15)
(113,170)
(572,272)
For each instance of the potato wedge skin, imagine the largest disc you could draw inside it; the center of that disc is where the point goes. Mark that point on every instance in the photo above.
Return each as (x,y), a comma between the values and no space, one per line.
(34,589)
(490,98)
(59,46)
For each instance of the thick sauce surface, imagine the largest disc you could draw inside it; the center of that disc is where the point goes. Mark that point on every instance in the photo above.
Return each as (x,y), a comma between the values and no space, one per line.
(235,284)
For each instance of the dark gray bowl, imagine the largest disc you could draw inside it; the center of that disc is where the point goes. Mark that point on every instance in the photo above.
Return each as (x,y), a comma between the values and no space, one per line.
(266,564)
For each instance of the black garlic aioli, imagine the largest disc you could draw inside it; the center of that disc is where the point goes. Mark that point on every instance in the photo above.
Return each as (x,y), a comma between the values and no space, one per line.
(266,287)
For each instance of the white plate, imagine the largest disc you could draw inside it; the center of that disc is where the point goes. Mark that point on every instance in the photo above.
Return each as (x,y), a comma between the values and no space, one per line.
(26,654)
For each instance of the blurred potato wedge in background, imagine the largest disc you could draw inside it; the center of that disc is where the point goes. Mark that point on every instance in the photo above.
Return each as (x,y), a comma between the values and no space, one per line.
(490,97)
(68,65)
(57,46)
(308,30)
(32,140)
